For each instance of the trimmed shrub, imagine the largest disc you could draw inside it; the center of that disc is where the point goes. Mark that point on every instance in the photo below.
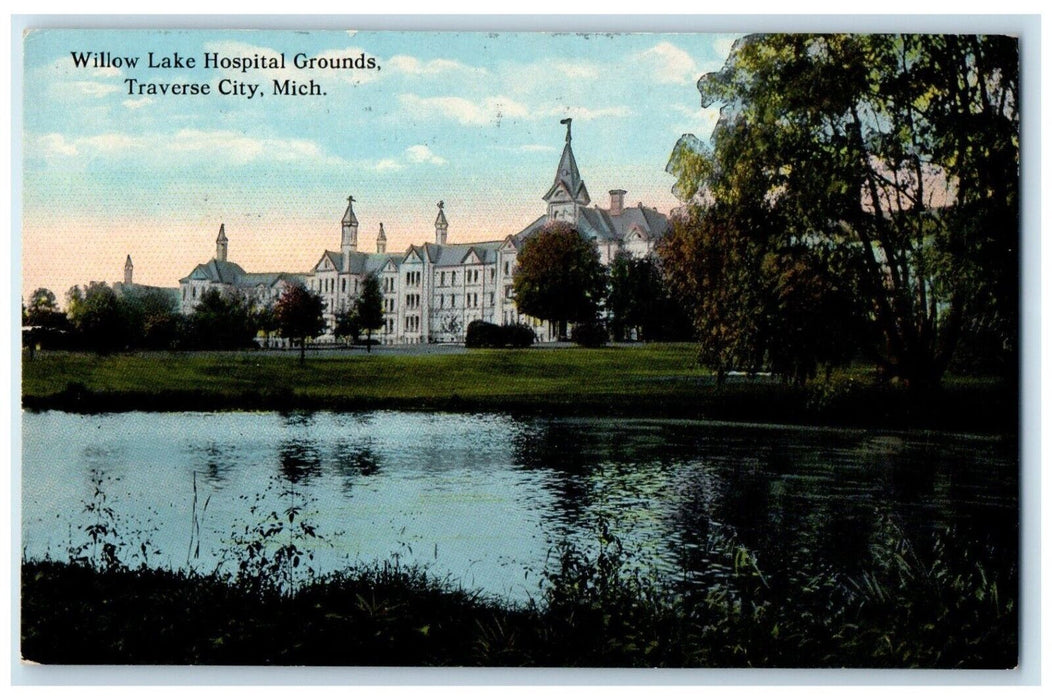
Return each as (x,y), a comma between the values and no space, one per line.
(518,335)
(483,335)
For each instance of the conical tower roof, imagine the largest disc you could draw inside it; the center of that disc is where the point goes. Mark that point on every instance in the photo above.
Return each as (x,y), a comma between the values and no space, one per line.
(567,175)
(440,220)
(221,238)
(381,236)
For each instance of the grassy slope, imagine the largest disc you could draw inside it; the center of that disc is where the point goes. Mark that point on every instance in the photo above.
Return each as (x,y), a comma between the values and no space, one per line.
(651,380)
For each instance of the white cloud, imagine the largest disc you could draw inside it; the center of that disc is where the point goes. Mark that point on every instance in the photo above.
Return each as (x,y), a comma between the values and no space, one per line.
(667,63)
(534,148)
(92,88)
(423,154)
(136,104)
(583,113)
(411,65)
(185,147)
(578,71)
(387,165)
(473,113)
(723,46)
(51,145)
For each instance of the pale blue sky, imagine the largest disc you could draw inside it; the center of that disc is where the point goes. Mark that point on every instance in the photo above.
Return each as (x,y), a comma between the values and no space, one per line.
(472,119)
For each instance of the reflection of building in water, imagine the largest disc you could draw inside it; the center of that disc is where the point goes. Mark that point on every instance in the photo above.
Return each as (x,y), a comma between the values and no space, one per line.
(432,291)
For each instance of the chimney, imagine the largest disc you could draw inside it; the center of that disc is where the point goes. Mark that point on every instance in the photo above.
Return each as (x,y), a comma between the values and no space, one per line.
(617,202)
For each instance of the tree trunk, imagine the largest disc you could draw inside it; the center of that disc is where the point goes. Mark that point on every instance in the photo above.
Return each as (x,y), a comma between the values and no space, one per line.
(369,340)
(303,351)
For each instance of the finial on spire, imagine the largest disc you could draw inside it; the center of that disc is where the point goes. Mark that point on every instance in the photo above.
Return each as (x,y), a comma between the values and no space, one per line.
(441,204)
(567,123)
(351,199)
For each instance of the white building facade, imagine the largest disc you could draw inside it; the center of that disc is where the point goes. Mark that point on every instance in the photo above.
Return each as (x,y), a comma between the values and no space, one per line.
(432,291)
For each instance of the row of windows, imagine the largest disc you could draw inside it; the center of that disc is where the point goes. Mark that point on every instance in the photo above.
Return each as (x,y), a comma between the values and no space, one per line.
(412,301)
(412,324)
(412,279)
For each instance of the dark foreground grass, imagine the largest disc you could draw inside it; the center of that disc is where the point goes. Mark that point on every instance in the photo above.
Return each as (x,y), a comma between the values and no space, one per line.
(936,610)
(660,380)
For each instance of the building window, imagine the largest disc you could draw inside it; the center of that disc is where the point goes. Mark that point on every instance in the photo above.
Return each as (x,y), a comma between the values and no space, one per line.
(453,275)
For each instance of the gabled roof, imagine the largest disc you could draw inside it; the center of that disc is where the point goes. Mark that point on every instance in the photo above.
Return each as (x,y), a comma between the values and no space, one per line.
(599,225)
(454,254)
(221,271)
(414,252)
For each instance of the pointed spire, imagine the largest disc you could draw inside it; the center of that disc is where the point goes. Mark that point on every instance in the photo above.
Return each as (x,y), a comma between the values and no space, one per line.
(440,220)
(381,240)
(221,244)
(567,175)
(381,236)
(128,268)
(349,219)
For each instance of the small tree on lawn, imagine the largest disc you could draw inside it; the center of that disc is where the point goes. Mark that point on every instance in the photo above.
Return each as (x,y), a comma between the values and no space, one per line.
(347,325)
(299,316)
(370,309)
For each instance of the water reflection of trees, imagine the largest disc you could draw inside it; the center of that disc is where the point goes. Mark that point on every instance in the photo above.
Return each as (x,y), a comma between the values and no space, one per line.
(352,460)
(215,462)
(298,460)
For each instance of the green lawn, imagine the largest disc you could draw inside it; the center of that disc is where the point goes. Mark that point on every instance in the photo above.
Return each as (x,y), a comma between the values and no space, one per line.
(643,380)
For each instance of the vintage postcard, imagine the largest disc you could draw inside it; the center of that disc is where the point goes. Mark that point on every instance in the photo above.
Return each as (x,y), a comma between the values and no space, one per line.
(505,349)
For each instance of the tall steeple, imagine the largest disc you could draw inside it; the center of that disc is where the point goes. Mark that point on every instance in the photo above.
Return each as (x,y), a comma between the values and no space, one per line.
(381,240)
(567,194)
(128,269)
(221,244)
(349,237)
(441,225)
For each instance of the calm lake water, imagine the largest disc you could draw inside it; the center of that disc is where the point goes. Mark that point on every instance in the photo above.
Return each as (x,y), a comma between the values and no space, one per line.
(487,498)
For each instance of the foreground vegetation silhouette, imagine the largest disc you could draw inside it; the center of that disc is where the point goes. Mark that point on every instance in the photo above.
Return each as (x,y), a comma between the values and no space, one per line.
(938,607)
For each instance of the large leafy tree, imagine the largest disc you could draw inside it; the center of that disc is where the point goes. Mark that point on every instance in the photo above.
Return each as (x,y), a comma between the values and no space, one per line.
(716,271)
(222,321)
(299,315)
(901,150)
(559,277)
(151,317)
(640,300)
(369,309)
(42,310)
(95,315)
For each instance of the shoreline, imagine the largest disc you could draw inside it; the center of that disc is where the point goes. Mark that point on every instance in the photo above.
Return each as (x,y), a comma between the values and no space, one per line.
(660,381)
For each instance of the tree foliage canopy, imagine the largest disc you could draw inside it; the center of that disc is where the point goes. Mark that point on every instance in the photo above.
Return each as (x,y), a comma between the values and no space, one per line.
(902,150)
(369,308)
(559,276)
(298,313)
(221,321)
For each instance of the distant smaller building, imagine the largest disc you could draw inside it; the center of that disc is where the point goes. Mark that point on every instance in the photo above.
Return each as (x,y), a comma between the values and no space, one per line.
(261,288)
(129,288)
